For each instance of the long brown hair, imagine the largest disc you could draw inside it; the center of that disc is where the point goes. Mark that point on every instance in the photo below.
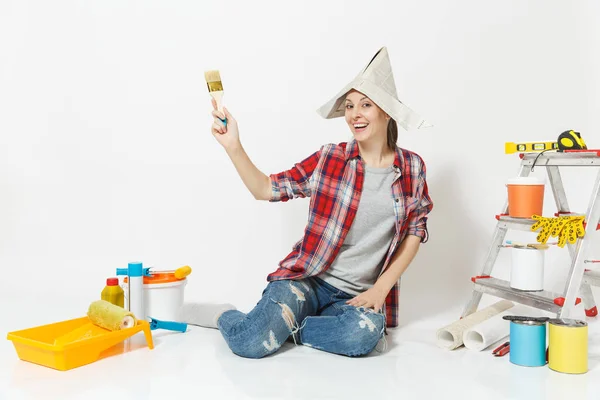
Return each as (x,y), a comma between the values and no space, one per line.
(392,134)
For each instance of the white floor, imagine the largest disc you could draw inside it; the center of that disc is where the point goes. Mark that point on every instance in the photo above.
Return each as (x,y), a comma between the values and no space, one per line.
(199,364)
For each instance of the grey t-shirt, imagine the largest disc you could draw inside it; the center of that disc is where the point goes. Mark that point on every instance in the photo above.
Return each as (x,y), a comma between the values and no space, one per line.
(359,261)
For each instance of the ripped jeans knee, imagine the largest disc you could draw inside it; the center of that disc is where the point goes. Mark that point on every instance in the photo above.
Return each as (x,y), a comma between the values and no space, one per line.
(273,320)
(355,331)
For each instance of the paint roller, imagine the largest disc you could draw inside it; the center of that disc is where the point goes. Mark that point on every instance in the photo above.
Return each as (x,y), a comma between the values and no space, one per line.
(110,316)
(103,316)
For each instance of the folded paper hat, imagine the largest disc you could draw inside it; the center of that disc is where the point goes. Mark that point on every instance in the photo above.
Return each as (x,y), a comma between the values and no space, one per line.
(376,81)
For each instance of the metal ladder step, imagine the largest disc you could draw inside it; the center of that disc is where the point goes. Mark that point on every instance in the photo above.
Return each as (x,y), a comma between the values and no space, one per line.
(544,300)
(558,159)
(523,224)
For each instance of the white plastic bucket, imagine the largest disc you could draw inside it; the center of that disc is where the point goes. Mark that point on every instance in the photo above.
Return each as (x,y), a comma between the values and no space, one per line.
(162,301)
(527,269)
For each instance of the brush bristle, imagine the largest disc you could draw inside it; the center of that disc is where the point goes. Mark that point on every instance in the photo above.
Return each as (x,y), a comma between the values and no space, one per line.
(212,76)
(213,81)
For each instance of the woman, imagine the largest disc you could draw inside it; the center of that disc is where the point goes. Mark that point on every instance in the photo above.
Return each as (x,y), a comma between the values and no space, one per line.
(338,288)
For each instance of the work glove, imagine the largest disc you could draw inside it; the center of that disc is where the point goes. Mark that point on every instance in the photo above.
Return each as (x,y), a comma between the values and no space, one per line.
(566,228)
(545,226)
(572,230)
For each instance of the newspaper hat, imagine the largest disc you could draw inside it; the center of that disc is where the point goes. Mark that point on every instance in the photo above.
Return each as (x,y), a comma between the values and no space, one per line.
(376,81)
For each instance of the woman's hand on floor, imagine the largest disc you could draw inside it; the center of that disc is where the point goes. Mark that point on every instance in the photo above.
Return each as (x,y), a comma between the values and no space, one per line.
(372,298)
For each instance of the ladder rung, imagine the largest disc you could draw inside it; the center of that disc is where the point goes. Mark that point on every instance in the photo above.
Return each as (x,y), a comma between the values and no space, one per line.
(507,222)
(497,287)
(525,224)
(591,158)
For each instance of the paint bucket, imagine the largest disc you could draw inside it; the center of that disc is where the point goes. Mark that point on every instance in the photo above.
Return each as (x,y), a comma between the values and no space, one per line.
(568,347)
(528,343)
(525,197)
(163,296)
(527,269)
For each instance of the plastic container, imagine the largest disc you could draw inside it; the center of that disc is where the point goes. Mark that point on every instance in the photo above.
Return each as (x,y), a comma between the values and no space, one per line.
(163,296)
(568,348)
(527,269)
(528,343)
(113,293)
(525,197)
(37,345)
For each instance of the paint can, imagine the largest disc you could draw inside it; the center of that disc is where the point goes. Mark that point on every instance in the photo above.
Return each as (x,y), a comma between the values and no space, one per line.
(525,196)
(528,343)
(568,347)
(163,295)
(527,269)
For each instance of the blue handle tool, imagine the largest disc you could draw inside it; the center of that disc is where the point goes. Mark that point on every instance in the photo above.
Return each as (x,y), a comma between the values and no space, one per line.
(167,325)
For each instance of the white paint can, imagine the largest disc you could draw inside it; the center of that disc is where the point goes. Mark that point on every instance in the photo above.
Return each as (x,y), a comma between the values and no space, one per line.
(163,296)
(527,269)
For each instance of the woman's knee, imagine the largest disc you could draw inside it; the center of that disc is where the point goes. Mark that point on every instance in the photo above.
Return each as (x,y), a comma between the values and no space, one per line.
(262,331)
(366,330)
(258,346)
(251,338)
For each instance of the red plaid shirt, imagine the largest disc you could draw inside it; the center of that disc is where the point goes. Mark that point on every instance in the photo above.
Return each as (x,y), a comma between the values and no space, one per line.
(333,179)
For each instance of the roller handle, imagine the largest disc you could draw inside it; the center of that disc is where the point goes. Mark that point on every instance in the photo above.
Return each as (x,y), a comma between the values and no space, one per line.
(179,273)
(183,272)
(167,325)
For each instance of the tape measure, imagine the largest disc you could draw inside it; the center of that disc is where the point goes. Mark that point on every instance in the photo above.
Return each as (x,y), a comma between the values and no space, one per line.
(529,147)
(571,140)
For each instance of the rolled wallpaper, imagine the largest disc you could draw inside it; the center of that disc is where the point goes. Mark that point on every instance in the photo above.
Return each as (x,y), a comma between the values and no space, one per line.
(451,336)
(492,330)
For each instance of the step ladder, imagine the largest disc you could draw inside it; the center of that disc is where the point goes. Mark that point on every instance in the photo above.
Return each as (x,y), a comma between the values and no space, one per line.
(579,278)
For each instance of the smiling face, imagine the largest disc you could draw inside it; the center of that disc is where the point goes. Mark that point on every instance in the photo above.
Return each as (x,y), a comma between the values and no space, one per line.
(366,120)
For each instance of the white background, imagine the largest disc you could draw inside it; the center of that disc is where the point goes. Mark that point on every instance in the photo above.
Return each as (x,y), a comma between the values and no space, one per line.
(106,155)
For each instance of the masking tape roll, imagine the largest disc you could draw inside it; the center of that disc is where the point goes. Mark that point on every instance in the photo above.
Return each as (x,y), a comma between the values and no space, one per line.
(110,316)
(568,347)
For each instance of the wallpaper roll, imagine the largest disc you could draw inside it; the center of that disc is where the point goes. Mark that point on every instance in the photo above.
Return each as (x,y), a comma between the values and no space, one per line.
(492,330)
(451,336)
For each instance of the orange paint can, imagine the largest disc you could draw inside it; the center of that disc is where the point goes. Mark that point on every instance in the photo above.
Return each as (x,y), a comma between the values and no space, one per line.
(525,197)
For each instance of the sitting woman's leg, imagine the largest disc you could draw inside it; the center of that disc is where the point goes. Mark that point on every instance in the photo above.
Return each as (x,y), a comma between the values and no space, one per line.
(344,329)
(278,314)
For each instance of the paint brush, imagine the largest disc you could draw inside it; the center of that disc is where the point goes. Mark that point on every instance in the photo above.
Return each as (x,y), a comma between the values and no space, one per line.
(215,88)
(539,246)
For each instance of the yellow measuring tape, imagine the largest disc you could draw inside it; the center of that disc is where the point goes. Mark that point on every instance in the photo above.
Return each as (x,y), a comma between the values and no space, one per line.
(529,147)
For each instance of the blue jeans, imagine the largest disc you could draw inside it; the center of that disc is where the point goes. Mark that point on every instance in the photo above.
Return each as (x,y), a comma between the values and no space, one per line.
(309,310)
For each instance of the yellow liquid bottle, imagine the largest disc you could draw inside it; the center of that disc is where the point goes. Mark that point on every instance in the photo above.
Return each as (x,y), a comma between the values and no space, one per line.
(113,293)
